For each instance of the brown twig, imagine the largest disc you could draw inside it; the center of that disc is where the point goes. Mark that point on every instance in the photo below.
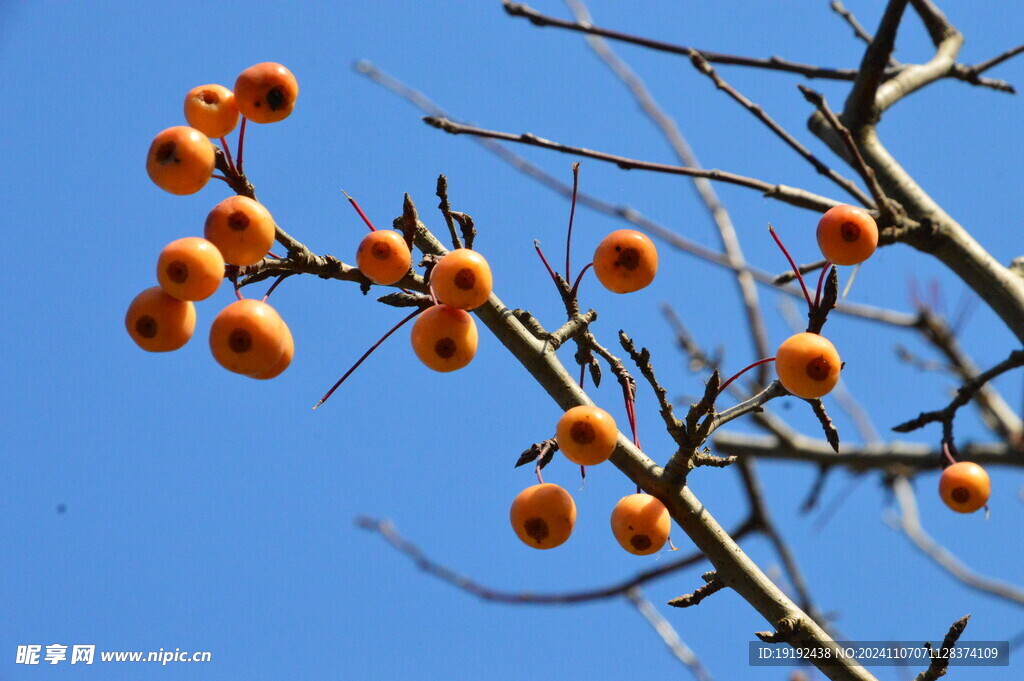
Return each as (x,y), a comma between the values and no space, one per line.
(848,186)
(713,585)
(387,530)
(940,662)
(964,394)
(790,195)
(888,213)
(517,9)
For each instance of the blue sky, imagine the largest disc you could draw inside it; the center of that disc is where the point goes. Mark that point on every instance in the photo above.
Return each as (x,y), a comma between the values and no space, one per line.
(205,511)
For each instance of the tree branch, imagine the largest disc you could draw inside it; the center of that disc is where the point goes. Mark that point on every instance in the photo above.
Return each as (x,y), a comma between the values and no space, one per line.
(517,9)
(910,457)
(964,394)
(791,195)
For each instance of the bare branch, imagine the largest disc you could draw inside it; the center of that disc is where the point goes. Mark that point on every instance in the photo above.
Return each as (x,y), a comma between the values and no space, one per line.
(964,394)
(888,213)
(713,585)
(996,413)
(791,195)
(906,456)
(387,530)
(517,9)
(847,185)
(642,359)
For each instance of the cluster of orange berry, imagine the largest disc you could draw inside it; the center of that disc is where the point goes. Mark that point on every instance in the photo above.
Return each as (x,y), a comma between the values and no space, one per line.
(543,516)
(247,337)
(444,336)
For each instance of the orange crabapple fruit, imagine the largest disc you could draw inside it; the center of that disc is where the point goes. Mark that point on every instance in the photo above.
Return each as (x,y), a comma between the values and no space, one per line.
(190,268)
(964,487)
(266,92)
(444,338)
(248,337)
(847,235)
(625,261)
(641,524)
(808,365)
(159,322)
(543,516)
(586,435)
(242,228)
(383,256)
(180,160)
(462,279)
(211,110)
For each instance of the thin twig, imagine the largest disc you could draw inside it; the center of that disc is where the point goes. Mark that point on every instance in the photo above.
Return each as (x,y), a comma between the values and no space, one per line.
(964,394)
(517,9)
(755,403)
(882,202)
(387,530)
(848,186)
(790,195)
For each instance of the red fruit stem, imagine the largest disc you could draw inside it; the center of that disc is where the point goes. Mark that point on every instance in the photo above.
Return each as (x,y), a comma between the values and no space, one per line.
(579,278)
(241,143)
(540,478)
(227,156)
(792,263)
(360,211)
(216,176)
(536,245)
(366,354)
(583,375)
(275,285)
(821,280)
(743,371)
(572,213)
